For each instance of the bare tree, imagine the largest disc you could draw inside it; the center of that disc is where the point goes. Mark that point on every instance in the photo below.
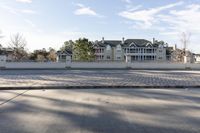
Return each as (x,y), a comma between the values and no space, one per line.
(18,44)
(185,40)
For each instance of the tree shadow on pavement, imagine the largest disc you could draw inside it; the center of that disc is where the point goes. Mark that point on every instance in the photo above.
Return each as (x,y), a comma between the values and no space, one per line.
(61,111)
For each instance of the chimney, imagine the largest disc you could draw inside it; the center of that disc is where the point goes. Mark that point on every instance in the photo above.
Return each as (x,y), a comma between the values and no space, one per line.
(103,40)
(154,40)
(123,40)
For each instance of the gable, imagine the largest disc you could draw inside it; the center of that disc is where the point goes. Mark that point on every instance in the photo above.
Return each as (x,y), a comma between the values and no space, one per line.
(132,45)
(149,45)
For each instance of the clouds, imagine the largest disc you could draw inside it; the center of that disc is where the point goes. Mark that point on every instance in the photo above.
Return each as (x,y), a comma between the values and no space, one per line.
(182,18)
(167,21)
(28,11)
(146,16)
(127,1)
(24,1)
(130,18)
(185,19)
(83,10)
(16,11)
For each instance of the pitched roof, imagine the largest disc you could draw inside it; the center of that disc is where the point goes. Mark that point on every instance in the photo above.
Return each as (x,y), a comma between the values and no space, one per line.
(137,42)
(112,43)
(67,52)
(127,43)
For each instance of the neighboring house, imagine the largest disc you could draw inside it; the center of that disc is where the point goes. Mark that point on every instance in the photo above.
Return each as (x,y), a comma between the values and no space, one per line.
(130,49)
(181,55)
(62,55)
(197,58)
(177,55)
(8,52)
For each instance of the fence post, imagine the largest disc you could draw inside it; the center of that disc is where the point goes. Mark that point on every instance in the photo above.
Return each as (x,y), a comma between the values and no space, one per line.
(68,61)
(2,61)
(128,61)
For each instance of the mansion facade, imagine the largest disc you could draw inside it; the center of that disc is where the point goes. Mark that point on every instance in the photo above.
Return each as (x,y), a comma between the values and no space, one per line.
(130,50)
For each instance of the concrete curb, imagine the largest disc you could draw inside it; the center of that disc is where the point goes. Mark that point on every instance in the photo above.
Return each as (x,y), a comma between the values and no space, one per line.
(94,87)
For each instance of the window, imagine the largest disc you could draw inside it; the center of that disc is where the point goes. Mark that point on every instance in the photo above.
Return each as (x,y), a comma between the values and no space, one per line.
(149,50)
(133,50)
(108,57)
(141,50)
(63,56)
(118,58)
(119,48)
(160,51)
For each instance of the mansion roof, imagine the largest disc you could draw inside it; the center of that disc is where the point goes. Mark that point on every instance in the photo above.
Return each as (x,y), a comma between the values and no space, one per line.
(127,43)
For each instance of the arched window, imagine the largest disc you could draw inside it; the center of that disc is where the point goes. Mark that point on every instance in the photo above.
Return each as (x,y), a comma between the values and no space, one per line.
(119,48)
(108,47)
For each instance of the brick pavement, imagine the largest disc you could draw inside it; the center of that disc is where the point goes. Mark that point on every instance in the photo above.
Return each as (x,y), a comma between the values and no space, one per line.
(34,78)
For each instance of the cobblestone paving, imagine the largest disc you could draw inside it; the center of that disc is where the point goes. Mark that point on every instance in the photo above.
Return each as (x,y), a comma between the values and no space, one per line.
(10,78)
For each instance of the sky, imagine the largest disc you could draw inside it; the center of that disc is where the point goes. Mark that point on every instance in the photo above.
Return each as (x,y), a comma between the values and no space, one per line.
(48,23)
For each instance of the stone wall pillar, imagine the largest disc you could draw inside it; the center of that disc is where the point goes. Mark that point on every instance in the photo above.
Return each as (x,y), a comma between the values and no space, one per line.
(128,61)
(187,58)
(2,61)
(68,60)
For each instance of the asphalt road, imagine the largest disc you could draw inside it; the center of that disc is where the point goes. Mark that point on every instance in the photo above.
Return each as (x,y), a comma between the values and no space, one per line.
(100,111)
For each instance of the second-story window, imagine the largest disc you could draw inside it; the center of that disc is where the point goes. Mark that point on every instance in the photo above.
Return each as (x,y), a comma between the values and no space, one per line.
(108,57)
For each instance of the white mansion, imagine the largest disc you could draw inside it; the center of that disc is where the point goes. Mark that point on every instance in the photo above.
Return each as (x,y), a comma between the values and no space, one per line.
(130,50)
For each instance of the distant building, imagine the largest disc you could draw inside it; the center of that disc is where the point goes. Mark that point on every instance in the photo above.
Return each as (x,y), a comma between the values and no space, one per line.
(197,58)
(180,55)
(62,55)
(130,49)
(8,52)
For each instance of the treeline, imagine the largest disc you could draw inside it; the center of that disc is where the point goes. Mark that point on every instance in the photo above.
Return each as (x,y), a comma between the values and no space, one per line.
(82,50)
